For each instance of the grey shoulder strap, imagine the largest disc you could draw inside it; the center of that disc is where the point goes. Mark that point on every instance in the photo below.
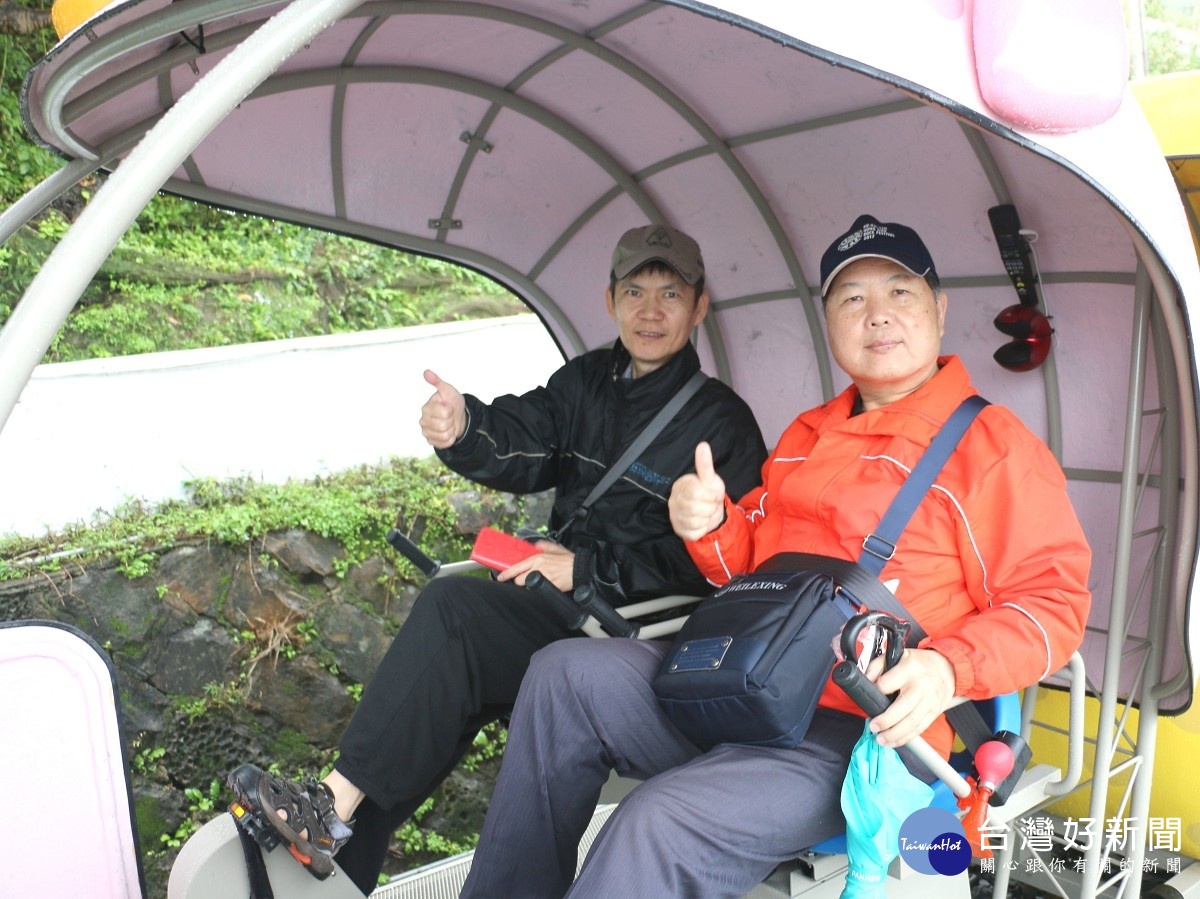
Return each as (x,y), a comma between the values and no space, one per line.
(643,440)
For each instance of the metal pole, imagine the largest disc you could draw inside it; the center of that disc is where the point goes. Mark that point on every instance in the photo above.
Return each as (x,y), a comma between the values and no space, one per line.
(1117,627)
(79,255)
(1158,626)
(41,196)
(1135,17)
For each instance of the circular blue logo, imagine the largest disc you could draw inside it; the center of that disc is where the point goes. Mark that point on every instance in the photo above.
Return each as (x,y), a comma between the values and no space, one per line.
(932,841)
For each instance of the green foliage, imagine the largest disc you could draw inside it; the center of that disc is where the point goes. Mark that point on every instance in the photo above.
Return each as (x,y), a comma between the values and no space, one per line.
(290,749)
(1172,37)
(22,164)
(187,276)
(147,759)
(228,696)
(355,507)
(488,744)
(307,630)
(152,826)
(416,841)
(201,804)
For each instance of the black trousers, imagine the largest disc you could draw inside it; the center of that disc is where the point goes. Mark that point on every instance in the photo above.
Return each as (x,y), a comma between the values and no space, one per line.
(455,665)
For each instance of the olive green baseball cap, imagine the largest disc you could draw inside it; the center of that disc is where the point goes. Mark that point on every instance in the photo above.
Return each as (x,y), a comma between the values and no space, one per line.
(658,243)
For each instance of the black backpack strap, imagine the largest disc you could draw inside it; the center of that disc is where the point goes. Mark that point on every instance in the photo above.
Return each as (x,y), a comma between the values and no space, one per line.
(969,725)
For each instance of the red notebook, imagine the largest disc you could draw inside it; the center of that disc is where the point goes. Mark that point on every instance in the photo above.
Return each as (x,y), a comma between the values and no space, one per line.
(498,550)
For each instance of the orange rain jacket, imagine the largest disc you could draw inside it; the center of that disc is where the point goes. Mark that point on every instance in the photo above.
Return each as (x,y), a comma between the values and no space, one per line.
(993,564)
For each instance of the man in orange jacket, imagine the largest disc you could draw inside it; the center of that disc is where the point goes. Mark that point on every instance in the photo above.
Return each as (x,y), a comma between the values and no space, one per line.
(1000,589)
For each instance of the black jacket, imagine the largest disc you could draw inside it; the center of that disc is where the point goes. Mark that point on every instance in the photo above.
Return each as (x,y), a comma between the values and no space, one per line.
(566,434)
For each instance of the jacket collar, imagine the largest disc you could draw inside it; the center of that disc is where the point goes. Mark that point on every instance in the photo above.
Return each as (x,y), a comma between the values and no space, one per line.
(929,406)
(662,382)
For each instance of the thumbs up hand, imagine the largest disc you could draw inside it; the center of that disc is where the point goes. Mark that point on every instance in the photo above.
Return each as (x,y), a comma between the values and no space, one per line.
(444,415)
(697,503)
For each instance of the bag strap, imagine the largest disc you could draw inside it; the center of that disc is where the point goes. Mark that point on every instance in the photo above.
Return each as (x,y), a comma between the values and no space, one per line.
(256,867)
(635,449)
(865,588)
(880,546)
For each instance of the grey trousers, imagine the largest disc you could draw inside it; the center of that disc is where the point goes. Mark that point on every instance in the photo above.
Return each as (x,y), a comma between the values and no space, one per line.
(703,824)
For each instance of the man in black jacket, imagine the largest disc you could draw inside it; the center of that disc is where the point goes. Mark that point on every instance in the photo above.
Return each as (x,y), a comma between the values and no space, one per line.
(458,660)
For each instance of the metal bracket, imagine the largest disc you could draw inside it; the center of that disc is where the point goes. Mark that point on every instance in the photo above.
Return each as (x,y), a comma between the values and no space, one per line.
(445,224)
(477,142)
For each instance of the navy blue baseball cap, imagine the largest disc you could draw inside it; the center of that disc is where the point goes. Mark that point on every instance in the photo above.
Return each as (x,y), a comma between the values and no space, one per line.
(869,237)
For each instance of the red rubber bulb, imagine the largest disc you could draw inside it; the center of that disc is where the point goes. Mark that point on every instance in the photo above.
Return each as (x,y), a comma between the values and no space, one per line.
(993,760)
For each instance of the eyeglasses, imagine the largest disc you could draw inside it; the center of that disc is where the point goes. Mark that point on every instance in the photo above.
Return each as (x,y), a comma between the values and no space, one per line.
(1030,332)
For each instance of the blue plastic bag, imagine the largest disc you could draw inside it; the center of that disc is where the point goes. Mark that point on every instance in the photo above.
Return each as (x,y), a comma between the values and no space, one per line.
(878,794)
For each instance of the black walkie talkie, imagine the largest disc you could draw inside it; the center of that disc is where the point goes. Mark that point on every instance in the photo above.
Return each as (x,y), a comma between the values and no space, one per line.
(1014,251)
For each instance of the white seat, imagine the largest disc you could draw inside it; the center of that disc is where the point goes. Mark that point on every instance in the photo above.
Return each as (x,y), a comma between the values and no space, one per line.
(211,865)
(71,830)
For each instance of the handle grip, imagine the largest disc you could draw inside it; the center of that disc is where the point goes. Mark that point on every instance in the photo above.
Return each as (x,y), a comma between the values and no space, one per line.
(574,615)
(610,619)
(847,676)
(428,565)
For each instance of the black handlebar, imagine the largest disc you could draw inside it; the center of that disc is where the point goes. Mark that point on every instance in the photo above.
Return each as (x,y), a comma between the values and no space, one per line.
(847,676)
(610,620)
(576,608)
(574,615)
(428,565)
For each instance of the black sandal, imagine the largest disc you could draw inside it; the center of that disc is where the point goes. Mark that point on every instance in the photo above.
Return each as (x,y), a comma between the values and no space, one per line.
(259,797)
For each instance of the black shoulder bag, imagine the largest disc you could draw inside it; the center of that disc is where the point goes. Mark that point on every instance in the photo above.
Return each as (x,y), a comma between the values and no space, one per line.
(751,661)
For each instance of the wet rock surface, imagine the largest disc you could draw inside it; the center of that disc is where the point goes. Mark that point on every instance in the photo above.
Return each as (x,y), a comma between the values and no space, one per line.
(256,653)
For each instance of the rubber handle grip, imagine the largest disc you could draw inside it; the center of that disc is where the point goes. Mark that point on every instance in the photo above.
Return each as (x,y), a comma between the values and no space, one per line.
(610,620)
(574,615)
(428,565)
(847,676)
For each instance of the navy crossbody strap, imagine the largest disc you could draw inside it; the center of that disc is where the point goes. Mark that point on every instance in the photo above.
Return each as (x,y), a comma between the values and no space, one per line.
(880,546)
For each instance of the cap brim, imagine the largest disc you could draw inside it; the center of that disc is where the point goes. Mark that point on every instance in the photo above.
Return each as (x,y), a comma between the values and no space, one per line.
(845,262)
(634,265)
